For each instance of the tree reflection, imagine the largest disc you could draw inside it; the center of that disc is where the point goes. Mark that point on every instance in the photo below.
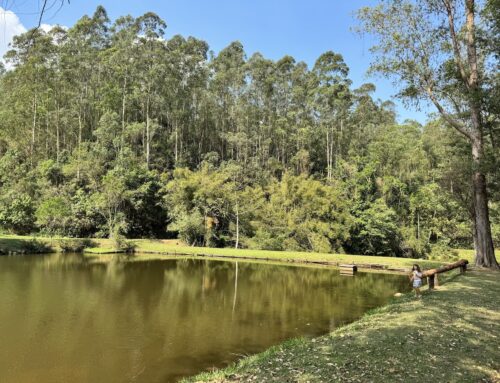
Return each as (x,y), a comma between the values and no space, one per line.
(163,319)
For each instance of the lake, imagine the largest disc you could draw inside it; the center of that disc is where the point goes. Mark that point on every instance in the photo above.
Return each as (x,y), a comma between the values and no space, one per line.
(63,319)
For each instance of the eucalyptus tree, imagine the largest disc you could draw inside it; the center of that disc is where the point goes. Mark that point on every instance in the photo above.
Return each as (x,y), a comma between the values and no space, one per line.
(301,119)
(185,96)
(119,62)
(28,87)
(151,69)
(84,71)
(432,49)
(259,106)
(227,84)
(330,96)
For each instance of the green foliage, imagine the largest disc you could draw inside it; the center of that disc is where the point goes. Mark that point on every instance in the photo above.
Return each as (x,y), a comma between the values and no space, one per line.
(435,51)
(52,214)
(74,245)
(122,244)
(34,246)
(17,213)
(300,213)
(200,205)
(442,252)
(495,223)
(376,231)
(109,129)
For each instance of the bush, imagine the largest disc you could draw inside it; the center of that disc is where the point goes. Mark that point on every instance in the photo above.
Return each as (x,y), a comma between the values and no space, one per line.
(123,244)
(442,252)
(376,231)
(74,245)
(17,213)
(35,246)
(52,214)
(413,247)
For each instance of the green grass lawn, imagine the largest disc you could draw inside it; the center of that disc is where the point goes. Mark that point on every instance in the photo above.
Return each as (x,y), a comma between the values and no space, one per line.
(173,247)
(451,335)
(146,248)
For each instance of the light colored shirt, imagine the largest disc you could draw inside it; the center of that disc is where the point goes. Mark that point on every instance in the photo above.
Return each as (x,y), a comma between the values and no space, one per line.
(417,275)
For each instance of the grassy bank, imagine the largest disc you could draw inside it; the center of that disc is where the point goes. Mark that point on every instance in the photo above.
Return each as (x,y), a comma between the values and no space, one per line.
(159,248)
(451,335)
(150,248)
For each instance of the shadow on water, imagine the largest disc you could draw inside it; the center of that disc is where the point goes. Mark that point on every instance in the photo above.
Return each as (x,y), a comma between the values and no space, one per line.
(154,321)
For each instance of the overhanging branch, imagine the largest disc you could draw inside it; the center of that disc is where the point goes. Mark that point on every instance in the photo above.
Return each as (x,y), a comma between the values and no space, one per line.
(459,126)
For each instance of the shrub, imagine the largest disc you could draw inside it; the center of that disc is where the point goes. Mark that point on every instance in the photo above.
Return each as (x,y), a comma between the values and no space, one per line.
(17,213)
(35,246)
(123,244)
(74,245)
(442,252)
(53,214)
(413,247)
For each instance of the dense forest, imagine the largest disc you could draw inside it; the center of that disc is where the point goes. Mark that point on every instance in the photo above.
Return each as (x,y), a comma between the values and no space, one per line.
(111,129)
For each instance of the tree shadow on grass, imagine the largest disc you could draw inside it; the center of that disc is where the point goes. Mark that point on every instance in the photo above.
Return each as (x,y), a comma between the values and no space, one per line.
(11,245)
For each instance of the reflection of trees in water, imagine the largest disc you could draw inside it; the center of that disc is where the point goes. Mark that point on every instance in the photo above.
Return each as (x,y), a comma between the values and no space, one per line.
(165,313)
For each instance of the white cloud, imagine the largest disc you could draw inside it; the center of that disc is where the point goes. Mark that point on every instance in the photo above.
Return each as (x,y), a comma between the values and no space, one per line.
(48,27)
(10,26)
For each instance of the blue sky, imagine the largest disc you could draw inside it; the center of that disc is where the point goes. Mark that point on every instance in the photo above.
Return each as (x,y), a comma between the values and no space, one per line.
(302,29)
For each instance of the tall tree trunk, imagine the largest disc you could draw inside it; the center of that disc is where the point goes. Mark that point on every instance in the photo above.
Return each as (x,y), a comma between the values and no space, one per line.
(80,129)
(124,111)
(176,151)
(485,253)
(328,153)
(148,138)
(33,129)
(58,139)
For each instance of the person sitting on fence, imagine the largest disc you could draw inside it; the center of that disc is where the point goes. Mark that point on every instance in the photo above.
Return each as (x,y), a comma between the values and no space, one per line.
(416,279)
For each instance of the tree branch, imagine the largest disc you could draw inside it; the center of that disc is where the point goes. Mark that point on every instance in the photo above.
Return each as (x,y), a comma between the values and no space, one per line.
(471,47)
(454,40)
(459,126)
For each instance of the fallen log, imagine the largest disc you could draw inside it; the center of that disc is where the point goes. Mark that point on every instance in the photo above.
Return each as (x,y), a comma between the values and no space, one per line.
(432,273)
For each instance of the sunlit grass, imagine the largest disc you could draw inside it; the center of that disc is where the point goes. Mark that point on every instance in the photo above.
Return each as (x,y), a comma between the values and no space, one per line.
(148,248)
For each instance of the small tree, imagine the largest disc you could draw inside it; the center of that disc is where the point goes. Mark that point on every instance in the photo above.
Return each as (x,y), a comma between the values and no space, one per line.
(109,202)
(53,215)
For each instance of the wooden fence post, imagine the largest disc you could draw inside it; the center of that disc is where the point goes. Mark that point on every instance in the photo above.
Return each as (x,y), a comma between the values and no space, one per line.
(432,273)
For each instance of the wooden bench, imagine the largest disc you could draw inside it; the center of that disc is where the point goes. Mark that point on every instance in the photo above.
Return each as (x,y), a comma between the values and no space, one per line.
(431,274)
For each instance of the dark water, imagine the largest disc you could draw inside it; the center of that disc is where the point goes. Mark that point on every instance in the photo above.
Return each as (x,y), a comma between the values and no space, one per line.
(65,320)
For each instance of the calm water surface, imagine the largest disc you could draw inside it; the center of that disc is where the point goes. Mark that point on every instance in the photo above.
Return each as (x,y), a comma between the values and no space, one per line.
(65,320)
